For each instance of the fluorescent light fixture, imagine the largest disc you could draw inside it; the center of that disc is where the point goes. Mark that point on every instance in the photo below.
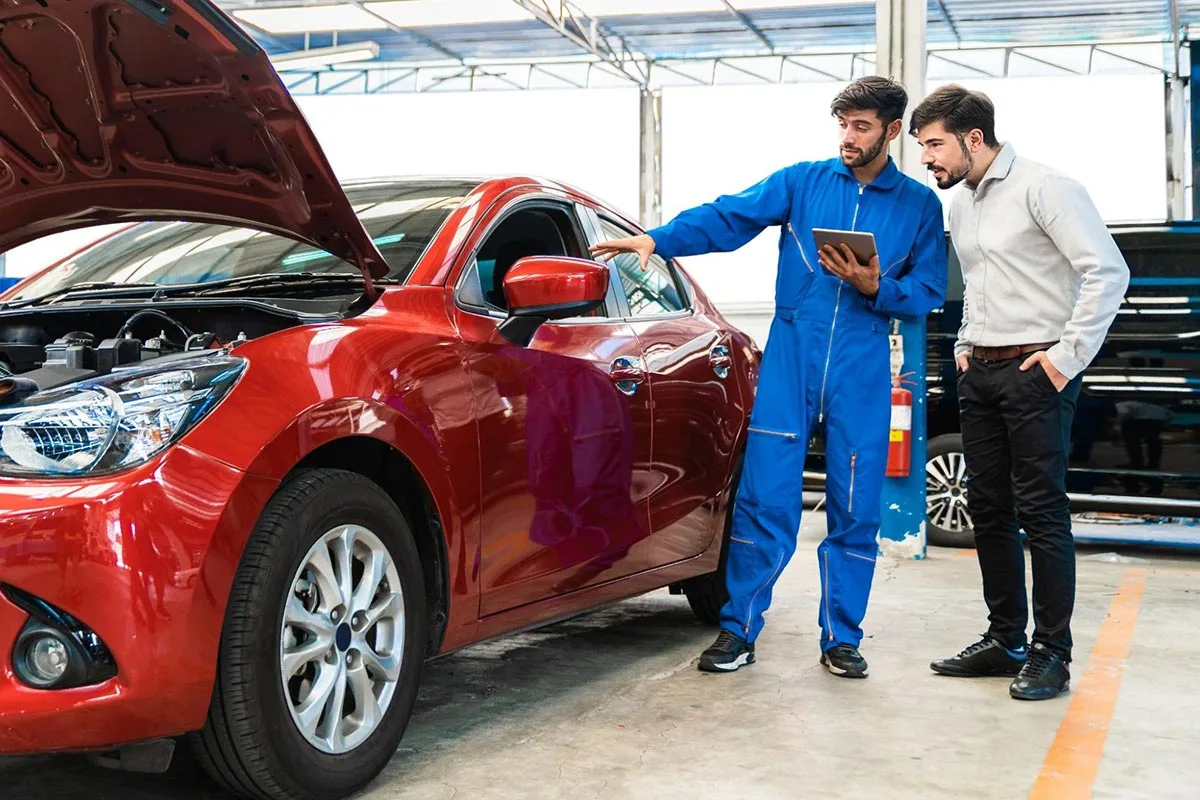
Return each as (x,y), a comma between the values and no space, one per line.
(315,18)
(1162,301)
(433,13)
(326,56)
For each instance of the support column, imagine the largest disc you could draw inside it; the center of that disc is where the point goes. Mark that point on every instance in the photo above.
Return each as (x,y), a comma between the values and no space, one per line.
(1177,135)
(900,31)
(1176,149)
(651,158)
(1194,91)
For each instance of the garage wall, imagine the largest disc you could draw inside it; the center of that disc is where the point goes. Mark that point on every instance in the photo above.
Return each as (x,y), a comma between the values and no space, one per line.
(584,137)
(723,139)
(1107,130)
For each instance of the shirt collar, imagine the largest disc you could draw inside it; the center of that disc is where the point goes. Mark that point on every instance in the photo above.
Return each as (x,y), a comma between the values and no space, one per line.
(1001,166)
(888,179)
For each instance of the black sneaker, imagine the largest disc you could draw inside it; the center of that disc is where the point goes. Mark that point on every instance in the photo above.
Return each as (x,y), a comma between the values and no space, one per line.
(727,654)
(1044,676)
(987,658)
(845,661)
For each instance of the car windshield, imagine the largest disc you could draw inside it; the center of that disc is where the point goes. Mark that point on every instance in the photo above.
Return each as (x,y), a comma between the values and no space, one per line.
(401,218)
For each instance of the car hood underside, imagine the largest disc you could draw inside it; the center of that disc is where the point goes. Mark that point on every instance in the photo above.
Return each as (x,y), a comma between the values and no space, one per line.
(125,110)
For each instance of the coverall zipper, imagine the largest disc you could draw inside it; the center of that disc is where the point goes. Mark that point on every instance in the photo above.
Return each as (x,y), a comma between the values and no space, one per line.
(833,325)
(753,597)
(828,616)
(800,247)
(853,459)
(774,433)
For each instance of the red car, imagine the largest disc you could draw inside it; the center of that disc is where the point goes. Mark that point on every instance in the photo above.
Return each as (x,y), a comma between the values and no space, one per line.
(265,452)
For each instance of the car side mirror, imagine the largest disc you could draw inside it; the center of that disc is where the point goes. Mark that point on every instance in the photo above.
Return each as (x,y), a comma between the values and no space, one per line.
(542,288)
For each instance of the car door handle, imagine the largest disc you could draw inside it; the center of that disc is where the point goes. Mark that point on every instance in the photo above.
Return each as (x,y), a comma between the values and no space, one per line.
(627,373)
(720,360)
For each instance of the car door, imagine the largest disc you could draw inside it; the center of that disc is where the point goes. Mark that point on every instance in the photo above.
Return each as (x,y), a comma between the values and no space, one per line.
(564,425)
(1136,423)
(687,358)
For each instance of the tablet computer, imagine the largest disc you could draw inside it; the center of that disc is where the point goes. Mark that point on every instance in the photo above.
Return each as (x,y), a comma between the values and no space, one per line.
(862,243)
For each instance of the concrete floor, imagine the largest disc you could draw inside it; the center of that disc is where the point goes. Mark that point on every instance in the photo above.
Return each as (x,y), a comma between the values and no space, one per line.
(611,706)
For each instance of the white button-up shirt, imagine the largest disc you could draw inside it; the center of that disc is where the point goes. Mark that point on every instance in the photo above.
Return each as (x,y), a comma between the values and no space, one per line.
(1038,262)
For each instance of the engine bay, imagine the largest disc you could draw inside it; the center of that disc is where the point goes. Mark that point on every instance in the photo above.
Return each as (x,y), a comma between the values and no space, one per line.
(59,345)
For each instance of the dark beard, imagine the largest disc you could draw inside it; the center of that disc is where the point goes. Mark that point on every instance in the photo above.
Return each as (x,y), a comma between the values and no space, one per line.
(868,155)
(955,178)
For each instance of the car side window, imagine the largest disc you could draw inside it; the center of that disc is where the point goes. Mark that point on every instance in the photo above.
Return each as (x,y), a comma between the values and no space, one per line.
(539,228)
(652,291)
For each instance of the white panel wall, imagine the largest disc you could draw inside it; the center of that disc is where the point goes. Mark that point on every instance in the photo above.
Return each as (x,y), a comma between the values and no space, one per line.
(588,138)
(1107,131)
(720,140)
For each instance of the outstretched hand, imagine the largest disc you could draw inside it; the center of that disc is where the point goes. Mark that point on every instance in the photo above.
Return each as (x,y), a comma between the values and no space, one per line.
(642,245)
(843,263)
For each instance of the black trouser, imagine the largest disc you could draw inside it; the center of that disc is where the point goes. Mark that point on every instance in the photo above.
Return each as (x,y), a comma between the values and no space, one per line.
(1016,427)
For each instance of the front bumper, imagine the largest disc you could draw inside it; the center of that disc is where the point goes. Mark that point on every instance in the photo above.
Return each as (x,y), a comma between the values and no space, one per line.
(145,560)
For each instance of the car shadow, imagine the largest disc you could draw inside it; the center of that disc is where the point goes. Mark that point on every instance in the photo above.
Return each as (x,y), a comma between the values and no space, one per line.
(501,681)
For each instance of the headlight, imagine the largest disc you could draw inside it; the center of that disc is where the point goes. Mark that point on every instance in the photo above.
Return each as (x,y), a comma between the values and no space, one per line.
(113,422)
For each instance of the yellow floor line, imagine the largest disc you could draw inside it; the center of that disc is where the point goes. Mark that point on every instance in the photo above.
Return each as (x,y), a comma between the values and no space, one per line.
(1074,758)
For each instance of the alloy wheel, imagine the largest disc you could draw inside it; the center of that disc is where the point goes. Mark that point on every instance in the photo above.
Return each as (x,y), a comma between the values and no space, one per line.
(342,639)
(946,492)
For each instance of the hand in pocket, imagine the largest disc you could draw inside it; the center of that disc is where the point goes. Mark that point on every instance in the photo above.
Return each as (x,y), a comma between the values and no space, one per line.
(1058,380)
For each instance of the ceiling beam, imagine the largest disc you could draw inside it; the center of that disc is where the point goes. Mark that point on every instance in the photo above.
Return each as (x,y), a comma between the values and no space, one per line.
(945,12)
(750,26)
(611,50)
(972,68)
(420,37)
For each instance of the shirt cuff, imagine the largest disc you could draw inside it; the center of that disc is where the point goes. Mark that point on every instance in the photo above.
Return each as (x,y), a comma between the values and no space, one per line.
(962,349)
(1063,361)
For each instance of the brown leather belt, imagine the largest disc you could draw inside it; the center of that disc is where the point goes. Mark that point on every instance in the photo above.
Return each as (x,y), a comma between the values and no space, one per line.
(989,354)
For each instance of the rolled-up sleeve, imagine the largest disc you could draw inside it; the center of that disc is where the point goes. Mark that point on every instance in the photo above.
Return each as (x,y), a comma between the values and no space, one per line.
(1067,215)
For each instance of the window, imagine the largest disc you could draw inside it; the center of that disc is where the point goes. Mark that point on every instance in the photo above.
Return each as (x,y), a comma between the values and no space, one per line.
(535,229)
(652,291)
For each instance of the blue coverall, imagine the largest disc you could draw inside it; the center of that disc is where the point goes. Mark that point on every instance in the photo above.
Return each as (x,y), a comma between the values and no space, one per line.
(826,364)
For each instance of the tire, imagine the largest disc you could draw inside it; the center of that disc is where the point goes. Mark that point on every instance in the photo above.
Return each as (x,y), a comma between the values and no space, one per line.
(252,743)
(948,524)
(707,594)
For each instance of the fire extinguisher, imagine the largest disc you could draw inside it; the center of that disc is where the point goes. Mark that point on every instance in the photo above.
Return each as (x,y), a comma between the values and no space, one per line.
(899,460)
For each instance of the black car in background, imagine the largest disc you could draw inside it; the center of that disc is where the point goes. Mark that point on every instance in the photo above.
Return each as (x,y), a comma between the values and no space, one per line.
(1135,441)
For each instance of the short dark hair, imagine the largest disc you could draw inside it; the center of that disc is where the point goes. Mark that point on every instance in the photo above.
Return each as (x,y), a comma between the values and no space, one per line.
(873,93)
(959,110)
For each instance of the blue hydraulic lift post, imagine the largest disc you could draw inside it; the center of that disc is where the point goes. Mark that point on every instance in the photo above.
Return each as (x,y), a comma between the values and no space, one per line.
(900,42)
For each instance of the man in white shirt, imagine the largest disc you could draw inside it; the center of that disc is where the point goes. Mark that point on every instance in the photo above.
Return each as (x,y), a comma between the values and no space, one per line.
(1044,280)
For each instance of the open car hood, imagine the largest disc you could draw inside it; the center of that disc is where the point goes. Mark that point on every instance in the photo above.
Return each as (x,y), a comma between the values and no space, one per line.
(123,110)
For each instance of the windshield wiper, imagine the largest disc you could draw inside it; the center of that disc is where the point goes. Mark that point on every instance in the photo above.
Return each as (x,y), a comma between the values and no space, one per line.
(271,279)
(78,287)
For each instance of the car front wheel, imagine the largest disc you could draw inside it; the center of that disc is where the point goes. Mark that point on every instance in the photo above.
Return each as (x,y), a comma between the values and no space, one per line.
(948,521)
(322,647)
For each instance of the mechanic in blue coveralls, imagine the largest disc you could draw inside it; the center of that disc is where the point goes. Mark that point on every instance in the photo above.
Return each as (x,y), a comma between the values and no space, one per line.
(826,364)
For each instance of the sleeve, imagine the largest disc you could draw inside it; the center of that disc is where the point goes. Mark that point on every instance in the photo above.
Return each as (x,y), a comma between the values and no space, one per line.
(922,288)
(730,221)
(1066,213)
(961,346)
